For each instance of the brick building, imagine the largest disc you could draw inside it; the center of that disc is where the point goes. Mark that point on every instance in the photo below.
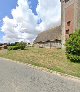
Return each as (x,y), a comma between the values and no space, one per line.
(70,17)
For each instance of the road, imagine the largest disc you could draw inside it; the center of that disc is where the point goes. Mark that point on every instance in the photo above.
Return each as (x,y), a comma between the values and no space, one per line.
(16,77)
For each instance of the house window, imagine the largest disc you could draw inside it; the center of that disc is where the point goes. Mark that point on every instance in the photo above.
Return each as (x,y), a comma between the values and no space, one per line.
(66,1)
(67,31)
(68,23)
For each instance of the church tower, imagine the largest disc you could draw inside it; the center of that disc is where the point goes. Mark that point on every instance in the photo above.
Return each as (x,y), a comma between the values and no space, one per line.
(70,18)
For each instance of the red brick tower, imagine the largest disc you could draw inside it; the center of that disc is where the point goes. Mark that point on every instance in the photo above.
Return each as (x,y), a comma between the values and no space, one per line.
(70,17)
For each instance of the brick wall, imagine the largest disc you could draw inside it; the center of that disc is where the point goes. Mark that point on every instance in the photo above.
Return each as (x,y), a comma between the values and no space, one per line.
(70,11)
(69,20)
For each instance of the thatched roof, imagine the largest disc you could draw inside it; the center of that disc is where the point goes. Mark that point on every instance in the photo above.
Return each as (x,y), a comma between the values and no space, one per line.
(49,35)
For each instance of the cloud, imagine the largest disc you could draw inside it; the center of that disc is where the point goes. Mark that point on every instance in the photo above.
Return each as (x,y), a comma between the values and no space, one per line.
(23,26)
(50,13)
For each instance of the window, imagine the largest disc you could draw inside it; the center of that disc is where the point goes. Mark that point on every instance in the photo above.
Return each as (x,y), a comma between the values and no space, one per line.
(67,31)
(66,1)
(68,23)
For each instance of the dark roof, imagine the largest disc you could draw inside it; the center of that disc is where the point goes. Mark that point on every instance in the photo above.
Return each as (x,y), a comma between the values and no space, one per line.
(49,35)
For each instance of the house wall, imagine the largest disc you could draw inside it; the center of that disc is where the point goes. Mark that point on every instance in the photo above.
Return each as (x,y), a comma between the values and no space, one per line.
(53,44)
(38,45)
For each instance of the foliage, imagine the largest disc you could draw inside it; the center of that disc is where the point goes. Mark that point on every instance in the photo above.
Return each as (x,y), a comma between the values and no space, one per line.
(13,48)
(20,45)
(73,47)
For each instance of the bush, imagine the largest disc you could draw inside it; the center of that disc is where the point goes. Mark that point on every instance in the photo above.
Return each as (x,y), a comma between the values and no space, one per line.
(21,45)
(13,48)
(73,47)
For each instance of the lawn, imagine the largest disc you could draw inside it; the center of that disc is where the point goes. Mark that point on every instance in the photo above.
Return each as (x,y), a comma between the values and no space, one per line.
(53,59)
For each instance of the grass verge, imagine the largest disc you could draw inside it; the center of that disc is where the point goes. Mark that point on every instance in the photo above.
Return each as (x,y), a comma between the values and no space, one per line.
(53,59)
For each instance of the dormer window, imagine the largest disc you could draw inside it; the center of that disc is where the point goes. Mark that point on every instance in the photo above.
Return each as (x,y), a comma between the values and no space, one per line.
(66,1)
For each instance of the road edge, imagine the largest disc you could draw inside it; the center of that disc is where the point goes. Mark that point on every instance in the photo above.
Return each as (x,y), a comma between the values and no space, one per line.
(74,78)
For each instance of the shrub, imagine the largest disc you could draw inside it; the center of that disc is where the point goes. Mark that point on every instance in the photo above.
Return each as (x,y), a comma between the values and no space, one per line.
(73,47)
(21,45)
(13,48)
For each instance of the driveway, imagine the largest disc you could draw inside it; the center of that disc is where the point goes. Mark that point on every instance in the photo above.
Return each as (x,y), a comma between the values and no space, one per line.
(16,77)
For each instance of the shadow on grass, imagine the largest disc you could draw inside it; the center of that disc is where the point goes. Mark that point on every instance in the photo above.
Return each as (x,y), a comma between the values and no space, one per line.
(75,61)
(73,58)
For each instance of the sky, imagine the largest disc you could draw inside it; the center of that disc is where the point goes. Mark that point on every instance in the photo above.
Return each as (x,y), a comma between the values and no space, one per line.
(23,20)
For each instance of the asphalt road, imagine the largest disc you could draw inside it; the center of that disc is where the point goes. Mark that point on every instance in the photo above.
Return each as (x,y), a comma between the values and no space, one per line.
(22,78)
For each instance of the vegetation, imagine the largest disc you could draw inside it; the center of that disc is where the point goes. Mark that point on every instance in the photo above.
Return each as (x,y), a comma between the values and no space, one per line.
(73,47)
(53,59)
(13,47)
(17,46)
(21,45)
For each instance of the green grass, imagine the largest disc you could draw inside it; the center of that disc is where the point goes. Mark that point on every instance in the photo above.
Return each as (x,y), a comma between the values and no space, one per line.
(53,59)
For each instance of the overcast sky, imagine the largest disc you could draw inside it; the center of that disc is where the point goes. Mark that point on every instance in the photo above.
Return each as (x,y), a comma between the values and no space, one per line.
(23,20)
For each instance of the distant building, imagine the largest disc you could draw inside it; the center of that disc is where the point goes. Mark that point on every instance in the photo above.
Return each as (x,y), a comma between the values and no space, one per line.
(49,39)
(3,47)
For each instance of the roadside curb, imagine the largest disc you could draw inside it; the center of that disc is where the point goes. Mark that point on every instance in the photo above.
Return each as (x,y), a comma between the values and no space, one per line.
(70,77)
